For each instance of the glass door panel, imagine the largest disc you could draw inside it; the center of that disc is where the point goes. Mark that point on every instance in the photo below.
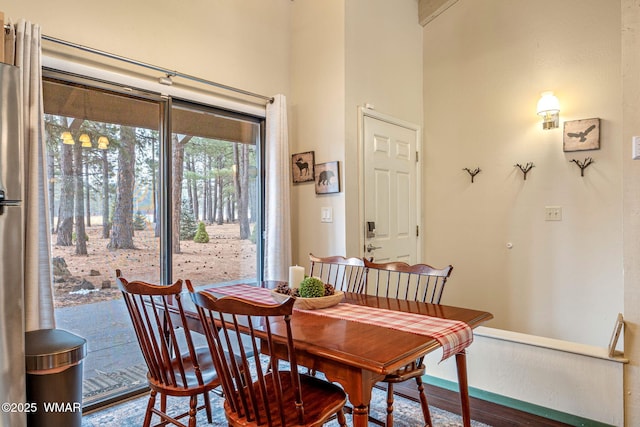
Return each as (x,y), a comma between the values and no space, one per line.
(103,154)
(216,196)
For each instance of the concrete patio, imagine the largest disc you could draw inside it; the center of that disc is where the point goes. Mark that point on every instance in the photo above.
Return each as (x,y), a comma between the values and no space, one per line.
(114,363)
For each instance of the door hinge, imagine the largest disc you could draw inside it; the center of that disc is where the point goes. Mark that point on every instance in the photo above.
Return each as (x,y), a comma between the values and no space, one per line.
(417,154)
(417,231)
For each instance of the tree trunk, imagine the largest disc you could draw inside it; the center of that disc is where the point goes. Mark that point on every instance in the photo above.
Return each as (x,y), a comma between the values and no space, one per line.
(65,227)
(51,174)
(154,189)
(231,214)
(191,186)
(194,182)
(106,220)
(219,202)
(210,197)
(81,234)
(87,194)
(176,191)
(241,181)
(122,228)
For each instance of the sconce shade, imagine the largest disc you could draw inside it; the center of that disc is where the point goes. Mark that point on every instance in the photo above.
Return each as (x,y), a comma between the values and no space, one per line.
(67,138)
(86,141)
(549,109)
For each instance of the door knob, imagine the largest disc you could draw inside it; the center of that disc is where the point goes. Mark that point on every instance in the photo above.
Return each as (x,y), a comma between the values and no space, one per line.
(371,248)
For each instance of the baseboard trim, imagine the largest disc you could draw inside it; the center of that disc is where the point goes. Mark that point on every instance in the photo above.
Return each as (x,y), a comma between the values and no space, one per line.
(519,405)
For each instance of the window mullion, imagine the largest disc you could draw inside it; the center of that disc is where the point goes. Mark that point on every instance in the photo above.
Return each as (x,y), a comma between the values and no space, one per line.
(166,233)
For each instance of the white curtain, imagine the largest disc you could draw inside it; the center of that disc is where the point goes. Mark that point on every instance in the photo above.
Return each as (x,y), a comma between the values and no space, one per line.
(277,255)
(23,49)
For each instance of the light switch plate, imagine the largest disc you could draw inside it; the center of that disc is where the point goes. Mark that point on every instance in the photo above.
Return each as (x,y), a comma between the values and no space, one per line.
(326,215)
(635,148)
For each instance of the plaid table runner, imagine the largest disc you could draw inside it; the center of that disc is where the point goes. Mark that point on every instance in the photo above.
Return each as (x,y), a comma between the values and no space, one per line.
(248,292)
(453,335)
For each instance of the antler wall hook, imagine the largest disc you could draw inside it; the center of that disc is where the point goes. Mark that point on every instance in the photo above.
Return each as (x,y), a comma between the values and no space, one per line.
(582,165)
(473,173)
(525,169)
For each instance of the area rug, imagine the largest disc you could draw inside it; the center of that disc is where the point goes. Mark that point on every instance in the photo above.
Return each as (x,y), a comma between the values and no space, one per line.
(131,413)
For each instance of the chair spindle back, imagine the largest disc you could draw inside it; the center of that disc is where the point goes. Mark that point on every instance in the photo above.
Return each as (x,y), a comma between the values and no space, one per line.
(158,336)
(256,389)
(419,282)
(345,274)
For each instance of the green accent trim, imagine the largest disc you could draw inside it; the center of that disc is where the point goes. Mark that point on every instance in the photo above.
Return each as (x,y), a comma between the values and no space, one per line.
(520,405)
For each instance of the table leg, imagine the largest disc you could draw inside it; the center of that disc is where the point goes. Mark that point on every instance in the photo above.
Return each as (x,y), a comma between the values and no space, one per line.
(357,384)
(461,365)
(360,416)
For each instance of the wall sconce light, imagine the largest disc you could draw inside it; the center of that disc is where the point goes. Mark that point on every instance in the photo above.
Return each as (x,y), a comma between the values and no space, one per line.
(549,109)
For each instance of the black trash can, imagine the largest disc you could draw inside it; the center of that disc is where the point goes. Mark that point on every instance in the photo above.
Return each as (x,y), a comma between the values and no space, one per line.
(53,359)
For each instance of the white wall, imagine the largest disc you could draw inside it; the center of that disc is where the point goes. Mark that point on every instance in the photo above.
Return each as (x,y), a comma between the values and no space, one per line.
(243,43)
(318,122)
(485,64)
(346,54)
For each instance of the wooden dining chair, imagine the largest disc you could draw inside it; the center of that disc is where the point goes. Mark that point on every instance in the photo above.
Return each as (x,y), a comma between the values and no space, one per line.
(176,367)
(257,390)
(345,274)
(419,282)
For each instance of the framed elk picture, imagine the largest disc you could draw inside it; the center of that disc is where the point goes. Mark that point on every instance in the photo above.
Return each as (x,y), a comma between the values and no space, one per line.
(302,167)
(327,178)
(581,135)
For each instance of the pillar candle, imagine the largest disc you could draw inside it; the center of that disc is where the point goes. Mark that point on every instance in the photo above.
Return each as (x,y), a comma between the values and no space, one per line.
(296,275)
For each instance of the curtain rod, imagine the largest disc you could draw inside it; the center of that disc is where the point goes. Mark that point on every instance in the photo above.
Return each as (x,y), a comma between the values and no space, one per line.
(169,73)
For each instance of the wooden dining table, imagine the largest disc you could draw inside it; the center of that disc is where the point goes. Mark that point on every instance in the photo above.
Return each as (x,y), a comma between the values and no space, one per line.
(358,355)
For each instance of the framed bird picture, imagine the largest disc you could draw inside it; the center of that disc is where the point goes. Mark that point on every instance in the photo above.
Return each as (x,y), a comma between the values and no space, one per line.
(581,135)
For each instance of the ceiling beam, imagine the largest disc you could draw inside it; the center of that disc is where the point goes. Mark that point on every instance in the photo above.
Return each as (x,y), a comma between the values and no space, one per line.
(428,10)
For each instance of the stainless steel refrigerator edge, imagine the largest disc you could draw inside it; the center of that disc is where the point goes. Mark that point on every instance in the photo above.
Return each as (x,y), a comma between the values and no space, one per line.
(12,370)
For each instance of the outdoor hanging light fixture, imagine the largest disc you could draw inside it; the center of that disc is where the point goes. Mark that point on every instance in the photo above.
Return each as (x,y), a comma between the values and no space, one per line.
(67,138)
(103,143)
(85,140)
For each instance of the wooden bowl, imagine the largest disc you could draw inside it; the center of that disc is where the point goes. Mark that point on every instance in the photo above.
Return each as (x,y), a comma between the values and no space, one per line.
(311,303)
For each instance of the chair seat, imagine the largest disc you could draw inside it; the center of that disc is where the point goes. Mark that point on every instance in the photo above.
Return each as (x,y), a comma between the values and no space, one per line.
(321,401)
(207,369)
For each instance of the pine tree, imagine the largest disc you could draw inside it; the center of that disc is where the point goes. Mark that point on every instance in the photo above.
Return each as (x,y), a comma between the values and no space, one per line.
(201,235)
(188,225)
(139,221)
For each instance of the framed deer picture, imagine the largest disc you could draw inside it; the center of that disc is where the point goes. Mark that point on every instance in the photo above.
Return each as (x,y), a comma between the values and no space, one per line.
(302,167)
(581,135)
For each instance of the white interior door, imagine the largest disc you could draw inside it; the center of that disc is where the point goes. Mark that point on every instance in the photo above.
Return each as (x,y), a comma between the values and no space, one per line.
(391,197)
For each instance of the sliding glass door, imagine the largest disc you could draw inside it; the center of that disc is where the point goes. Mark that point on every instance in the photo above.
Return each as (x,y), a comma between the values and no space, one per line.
(126,194)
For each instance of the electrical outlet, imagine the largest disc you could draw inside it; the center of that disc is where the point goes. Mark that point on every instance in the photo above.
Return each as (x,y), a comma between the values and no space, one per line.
(553,213)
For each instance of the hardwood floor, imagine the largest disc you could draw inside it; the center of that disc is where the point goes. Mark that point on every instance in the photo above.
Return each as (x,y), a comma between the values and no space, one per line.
(486,412)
